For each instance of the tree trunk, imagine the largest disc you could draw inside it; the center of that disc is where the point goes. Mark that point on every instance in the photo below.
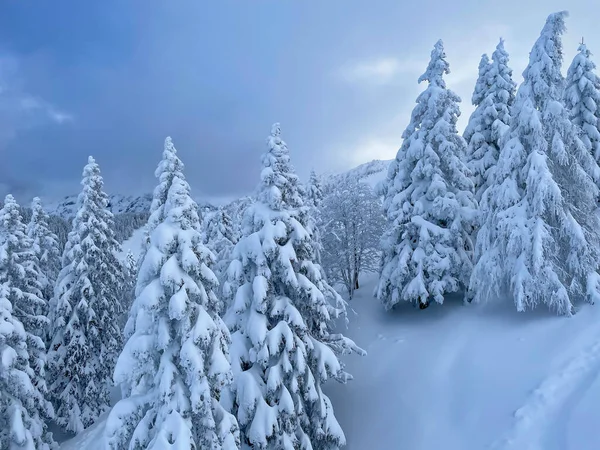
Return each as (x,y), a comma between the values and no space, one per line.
(356,286)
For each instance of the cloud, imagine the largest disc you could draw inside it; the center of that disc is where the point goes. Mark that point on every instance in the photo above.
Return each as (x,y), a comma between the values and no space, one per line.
(374,148)
(379,71)
(380,141)
(19,109)
(32,105)
(59,117)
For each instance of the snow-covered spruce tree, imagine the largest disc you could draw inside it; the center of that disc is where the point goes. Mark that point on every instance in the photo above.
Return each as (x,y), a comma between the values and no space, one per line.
(23,406)
(582,99)
(314,190)
(428,201)
(493,96)
(20,426)
(169,167)
(314,199)
(130,271)
(483,82)
(236,210)
(86,338)
(284,349)
(176,361)
(60,227)
(220,238)
(45,246)
(539,240)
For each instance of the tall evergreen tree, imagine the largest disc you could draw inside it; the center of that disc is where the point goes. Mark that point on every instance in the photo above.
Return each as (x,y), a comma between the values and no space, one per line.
(23,311)
(86,338)
(176,360)
(493,97)
(284,348)
(539,240)
(483,83)
(582,99)
(45,246)
(314,191)
(314,200)
(169,167)
(130,271)
(219,237)
(428,200)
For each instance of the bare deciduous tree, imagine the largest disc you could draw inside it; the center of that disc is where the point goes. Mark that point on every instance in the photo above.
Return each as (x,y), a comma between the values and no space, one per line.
(352,227)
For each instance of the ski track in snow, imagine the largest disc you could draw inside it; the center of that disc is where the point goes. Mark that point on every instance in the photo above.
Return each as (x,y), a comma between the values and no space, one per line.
(540,424)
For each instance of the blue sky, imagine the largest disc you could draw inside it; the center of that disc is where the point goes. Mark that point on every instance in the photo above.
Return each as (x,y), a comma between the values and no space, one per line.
(113,78)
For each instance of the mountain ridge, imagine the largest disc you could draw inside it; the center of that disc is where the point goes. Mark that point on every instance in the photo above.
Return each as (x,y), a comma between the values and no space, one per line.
(371,172)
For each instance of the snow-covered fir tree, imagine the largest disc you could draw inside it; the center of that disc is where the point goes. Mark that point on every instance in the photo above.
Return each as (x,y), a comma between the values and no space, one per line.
(314,199)
(582,99)
(493,97)
(219,237)
(169,167)
(23,319)
(20,425)
(236,211)
(540,237)
(45,246)
(130,271)
(175,362)
(314,191)
(284,348)
(483,83)
(428,200)
(86,338)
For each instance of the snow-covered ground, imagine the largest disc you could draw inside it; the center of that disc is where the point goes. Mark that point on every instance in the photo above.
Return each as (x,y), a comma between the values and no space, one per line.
(458,377)
(463,377)
(133,244)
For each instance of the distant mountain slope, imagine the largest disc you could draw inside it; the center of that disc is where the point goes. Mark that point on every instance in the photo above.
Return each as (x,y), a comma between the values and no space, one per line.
(118,204)
(371,173)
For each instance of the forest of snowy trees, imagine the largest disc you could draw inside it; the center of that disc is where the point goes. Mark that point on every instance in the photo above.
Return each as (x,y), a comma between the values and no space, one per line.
(223,332)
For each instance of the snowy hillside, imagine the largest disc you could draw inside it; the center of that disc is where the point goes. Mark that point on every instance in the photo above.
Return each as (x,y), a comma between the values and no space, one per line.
(463,377)
(133,244)
(372,173)
(470,377)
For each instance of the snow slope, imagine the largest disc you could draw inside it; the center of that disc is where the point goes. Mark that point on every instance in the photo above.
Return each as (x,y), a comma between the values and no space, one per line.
(371,173)
(133,244)
(463,377)
(90,439)
(470,377)
(118,204)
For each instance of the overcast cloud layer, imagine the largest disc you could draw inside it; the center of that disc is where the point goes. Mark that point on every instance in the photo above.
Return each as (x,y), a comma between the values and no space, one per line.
(113,78)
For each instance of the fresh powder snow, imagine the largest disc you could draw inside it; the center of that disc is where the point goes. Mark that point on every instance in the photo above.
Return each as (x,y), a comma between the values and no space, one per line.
(461,377)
